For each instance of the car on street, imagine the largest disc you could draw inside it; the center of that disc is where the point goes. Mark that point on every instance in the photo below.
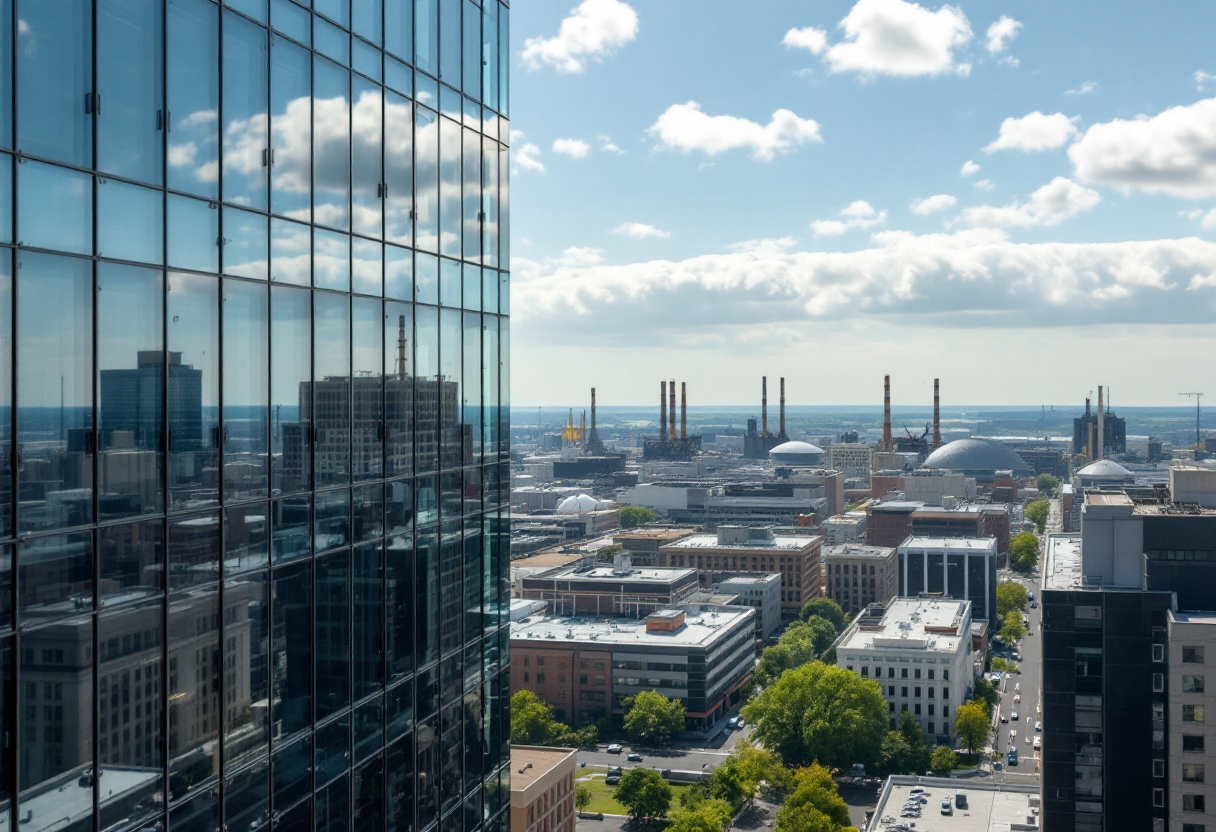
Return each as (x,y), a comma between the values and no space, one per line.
(1033,604)
(742,723)
(634,757)
(1038,743)
(615,749)
(733,722)
(615,771)
(1038,726)
(947,809)
(1014,716)
(1004,718)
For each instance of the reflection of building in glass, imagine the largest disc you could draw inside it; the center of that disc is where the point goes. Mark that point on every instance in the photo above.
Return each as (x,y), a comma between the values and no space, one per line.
(131,403)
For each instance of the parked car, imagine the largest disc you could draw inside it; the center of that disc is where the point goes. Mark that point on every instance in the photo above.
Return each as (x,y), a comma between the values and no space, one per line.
(1038,743)
(1038,726)
(947,809)
(615,749)
(1014,716)
(615,771)
(612,779)
(634,757)
(733,722)
(742,723)
(1004,718)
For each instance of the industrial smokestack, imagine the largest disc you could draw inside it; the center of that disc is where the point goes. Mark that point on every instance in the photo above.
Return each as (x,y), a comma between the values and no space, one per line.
(764,405)
(937,416)
(593,408)
(671,410)
(782,431)
(683,409)
(662,409)
(887,442)
(1101,447)
(401,347)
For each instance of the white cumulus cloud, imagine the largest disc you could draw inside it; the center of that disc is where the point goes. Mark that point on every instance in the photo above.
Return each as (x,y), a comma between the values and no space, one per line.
(574,148)
(640,231)
(933,204)
(1085,89)
(810,38)
(1173,152)
(607,144)
(1034,132)
(1058,200)
(857,214)
(593,29)
(1203,79)
(580,257)
(984,184)
(1206,219)
(1001,33)
(527,157)
(894,37)
(969,168)
(686,127)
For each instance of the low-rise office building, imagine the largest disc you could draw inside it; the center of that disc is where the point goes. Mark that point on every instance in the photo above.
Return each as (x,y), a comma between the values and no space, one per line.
(542,788)
(590,588)
(919,652)
(759,590)
(844,528)
(962,568)
(584,667)
(856,575)
(889,523)
(1192,638)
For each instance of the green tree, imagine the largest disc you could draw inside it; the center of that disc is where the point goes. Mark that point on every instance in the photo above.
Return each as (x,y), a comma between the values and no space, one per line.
(801,642)
(814,805)
(634,516)
(652,718)
(825,608)
(1012,630)
(703,816)
(918,753)
(1010,595)
(727,784)
(1003,665)
(605,554)
(643,793)
(943,760)
(986,695)
(1047,485)
(1037,513)
(1024,552)
(582,798)
(532,721)
(759,768)
(971,723)
(820,712)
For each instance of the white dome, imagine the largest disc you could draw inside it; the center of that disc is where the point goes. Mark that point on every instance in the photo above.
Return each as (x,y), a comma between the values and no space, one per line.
(1104,469)
(796,447)
(579,504)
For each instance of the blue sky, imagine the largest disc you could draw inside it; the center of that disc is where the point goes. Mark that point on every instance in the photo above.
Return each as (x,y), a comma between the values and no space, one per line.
(1019,198)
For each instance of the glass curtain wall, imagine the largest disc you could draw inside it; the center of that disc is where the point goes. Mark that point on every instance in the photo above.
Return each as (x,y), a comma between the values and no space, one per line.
(254,335)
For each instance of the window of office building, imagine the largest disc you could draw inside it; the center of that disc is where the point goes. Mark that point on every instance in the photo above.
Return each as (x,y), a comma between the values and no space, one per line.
(1192,655)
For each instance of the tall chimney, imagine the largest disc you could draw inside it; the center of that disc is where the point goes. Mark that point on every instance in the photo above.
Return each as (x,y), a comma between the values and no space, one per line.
(593,408)
(582,422)
(662,409)
(671,410)
(683,409)
(937,417)
(1101,449)
(401,347)
(887,443)
(764,405)
(782,432)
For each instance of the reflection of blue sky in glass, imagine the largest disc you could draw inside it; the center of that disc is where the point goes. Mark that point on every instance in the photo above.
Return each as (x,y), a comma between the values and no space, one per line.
(194,96)
(130,220)
(55,346)
(54,208)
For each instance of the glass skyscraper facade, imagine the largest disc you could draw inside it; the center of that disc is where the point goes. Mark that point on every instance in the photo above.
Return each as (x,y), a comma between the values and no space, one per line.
(253,415)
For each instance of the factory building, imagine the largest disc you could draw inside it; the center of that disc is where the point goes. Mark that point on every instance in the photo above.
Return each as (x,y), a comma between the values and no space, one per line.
(667,446)
(1102,427)
(758,443)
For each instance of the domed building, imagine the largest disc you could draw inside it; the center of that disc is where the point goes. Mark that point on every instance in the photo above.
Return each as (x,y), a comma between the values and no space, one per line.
(796,453)
(1103,472)
(582,504)
(977,457)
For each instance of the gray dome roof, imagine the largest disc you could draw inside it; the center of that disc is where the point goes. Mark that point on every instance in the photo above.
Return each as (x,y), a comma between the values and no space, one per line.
(796,447)
(1104,469)
(976,455)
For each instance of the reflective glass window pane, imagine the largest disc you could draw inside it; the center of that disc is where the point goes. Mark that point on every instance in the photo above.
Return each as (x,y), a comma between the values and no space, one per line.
(54,577)
(367,19)
(449,187)
(399,169)
(397,75)
(247,798)
(254,8)
(290,252)
(489,204)
(504,285)
(291,664)
(333,749)
(296,819)
(291,382)
(6,393)
(291,20)
(194,550)
(336,10)
(426,591)
(54,208)
(450,414)
(471,293)
(246,143)
(245,243)
(449,42)
(6,92)
(399,506)
(489,55)
(489,381)
(130,126)
(332,633)
(331,260)
(193,96)
(426,278)
(368,616)
(333,807)
(331,140)
(426,31)
(367,174)
(194,687)
(427,769)
(246,674)
(451,104)
(399,595)
(399,711)
(131,365)
(331,41)
(60,655)
(199,814)
(194,340)
(130,707)
(472,215)
(399,785)
(291,129)
(55,391)
(367,513)
(450,597)
(194,230)
(331,390)
(426,389)
(246,538)
(399,389)
(366,59)
(504,60)
(291,528)
(332,518)
(471,391)
(472,50)
(246,349)
(367,363)
(426,215)
(55,101)
(367,267)
(368,786)
(130,222)
(426,91)
(399,30)
(292,772)
(450,280)
(6,198)
(398,273)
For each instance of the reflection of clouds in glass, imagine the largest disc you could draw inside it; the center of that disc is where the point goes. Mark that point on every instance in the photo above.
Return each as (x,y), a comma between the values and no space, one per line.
(290,253)
(182,155)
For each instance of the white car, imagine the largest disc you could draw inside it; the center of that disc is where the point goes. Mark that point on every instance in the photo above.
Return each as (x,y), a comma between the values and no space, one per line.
(1038,743)
(1038,726)
(614,749)
(1014,716)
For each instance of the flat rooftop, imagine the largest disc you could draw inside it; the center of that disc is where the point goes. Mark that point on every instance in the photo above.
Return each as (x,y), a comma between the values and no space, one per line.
(699,630)
(1108,499)
(856,550)
(654,534)
(934,624)
(950,544)
(748,577)
(897,505)
(710,541)
(541,759)
(606,572)
(1193,617)
(1062,562)
(990,807)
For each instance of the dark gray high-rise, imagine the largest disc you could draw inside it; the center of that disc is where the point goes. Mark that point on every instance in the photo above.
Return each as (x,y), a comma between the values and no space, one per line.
(254,306)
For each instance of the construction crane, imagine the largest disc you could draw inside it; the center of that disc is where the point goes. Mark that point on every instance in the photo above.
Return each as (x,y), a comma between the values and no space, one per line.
(1197,396)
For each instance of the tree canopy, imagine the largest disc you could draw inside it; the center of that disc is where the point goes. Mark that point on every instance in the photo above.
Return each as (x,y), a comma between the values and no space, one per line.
(820,712)
(533,723)
(943,760)
(701,816)
(1047,485)
(582,797)
(814,805)
(1010,595)
(634,516)
(971,723)
(1024,552)
(1037,512)
(801,642)
(1012,630)
(643,793)
(650,717)
(825,608)
(986,694)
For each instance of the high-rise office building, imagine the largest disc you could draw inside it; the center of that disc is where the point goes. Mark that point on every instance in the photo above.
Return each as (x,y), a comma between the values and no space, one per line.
(253,415)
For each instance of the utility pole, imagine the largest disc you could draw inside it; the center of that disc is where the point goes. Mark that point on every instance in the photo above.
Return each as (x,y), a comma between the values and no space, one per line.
(1197,396)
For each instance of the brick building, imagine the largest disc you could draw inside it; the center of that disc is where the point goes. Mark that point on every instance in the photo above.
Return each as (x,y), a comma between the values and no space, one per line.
(856,575)
(542,788)
(889,523)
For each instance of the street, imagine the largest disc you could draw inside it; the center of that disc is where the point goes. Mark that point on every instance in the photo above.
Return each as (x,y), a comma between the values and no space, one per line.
(681,755)
(1028,709)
